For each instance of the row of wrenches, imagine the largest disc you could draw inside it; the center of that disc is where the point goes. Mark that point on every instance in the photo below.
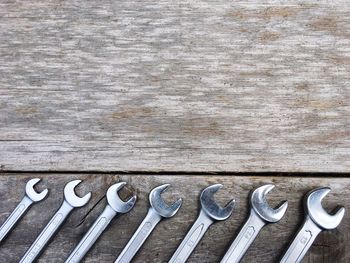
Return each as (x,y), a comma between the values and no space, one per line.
(261,214)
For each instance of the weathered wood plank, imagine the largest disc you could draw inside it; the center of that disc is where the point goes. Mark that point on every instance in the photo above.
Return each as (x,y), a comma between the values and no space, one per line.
(332,246)
(184,85)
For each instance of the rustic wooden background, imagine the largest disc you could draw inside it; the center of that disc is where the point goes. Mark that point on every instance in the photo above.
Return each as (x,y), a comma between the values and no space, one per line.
(238,92)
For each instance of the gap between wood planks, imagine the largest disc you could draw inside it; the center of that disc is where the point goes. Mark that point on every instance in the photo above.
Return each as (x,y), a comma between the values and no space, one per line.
(207,173)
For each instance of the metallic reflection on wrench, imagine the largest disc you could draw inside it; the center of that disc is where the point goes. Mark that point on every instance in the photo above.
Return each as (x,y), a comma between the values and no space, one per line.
(158,210)
(114,207)
(317,220)
(71,201)
(260,214)
(210,212)
(31,196)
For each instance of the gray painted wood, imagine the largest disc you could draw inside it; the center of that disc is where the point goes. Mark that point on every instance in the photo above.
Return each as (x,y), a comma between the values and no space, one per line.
(174,85)
(331,246)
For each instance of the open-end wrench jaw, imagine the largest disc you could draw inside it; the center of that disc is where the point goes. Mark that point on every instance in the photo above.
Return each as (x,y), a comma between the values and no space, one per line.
(32,194)
(211,208)
(316,220)
(114,207)
(158,210)
(159,204)
(261,207)
(260,215)
(70,202)
(72,198)
(30,197)
(313,205)
(115,202)
(209,213)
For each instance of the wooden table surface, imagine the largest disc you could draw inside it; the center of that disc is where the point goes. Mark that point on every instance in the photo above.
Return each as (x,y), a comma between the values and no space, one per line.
(186,92)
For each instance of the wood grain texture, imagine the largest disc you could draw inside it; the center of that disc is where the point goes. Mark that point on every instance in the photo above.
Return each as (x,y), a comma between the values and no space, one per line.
(330,247)
(175,85)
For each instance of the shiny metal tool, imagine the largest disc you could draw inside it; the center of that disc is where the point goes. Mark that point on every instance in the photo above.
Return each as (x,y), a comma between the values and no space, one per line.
(114,207)
(260,215)
(317,220)
(210,212)
(158,210)
(71,201)
(31,196)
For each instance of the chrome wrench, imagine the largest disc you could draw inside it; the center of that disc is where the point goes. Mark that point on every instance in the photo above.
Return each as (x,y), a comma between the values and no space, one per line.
(71,201)
(30,197)
(210,212)
(317,220)
(114,207)
(260,214)
(158,210)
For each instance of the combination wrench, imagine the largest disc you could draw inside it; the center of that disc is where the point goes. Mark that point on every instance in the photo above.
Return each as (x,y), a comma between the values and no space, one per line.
(30,197)
(114,207)
(210,212)
(158,210)
(317,220)
(71,201)
(260,215)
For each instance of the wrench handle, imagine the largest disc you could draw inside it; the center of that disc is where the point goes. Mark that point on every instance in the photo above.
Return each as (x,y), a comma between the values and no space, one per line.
(244,239)
(47,233)
(143,231)
(92,235)
(15,216)
(302,242)
(192,238)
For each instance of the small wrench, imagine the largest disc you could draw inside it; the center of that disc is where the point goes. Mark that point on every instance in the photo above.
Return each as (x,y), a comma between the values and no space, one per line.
(31,196)
(158,210)
(210,212)
(114,207)
(71,201)
(317,220)
(260,215)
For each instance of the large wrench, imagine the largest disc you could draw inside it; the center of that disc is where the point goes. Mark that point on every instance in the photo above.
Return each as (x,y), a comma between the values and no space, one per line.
(71,201)
(158,210)
(316,221)
(30,197)
(210,212)
(260,214)
(114,207)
